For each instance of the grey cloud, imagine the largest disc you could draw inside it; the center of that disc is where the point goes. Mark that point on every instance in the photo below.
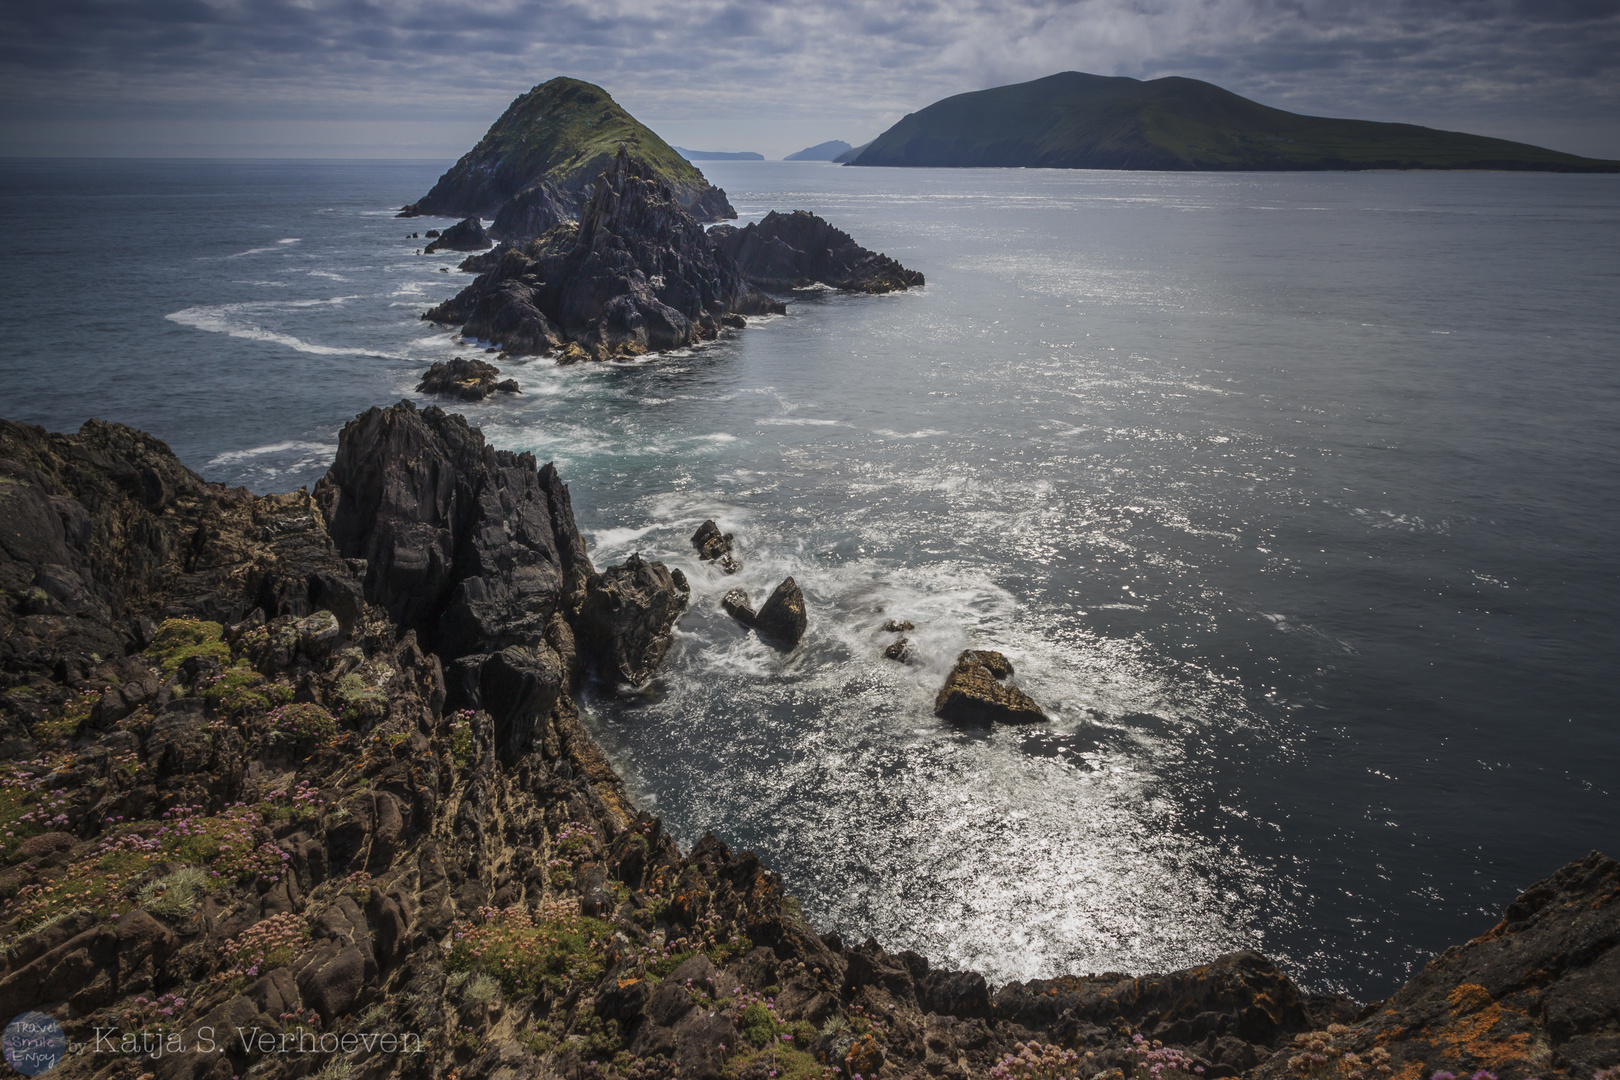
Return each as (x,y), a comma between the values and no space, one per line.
(854,65)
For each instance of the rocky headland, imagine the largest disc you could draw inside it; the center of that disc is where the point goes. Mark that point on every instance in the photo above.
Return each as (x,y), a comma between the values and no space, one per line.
(537,164)
(639,274)
(296,784)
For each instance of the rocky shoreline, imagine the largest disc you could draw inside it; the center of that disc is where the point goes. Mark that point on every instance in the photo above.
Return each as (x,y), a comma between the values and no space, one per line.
(310,765)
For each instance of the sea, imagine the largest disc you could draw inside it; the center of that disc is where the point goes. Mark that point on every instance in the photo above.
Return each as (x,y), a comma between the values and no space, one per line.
(1293,498)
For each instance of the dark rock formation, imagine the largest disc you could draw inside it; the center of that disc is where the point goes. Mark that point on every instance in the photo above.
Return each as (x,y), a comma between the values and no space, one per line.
(465,380)
(792,251)
(974,693)
(896,650)
(467,235)
(781,620)
(1536,995)
(628,617)
(638,274)
(397,866)
(712,546)
(898,626)
(430,234)
(535,211)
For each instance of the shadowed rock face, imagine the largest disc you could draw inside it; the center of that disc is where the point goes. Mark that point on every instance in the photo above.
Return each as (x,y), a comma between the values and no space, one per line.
(974,692)
(793,251)
(628,615)
(638,274)
(468,235)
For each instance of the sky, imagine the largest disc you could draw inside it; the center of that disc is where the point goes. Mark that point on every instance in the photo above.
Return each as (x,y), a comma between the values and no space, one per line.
(425,78)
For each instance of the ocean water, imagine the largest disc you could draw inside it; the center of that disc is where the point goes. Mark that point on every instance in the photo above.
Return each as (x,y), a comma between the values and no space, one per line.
(1293,499)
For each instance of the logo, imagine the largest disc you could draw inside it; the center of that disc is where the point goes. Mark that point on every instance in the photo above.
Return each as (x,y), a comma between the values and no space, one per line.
(33,1043)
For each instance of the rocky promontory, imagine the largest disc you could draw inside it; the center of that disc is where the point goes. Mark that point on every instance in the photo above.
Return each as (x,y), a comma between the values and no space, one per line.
(637,274)
(310,767)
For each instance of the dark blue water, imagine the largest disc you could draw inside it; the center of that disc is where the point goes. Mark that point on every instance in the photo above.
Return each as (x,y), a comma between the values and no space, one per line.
(1293,499)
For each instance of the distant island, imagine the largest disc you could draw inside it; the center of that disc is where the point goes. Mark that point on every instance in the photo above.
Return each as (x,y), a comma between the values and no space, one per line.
(717,155)
(1073,120)
(534,168)
(826,151)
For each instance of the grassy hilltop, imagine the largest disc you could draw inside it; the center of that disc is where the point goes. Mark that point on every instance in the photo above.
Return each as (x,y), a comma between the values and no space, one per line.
(1072,120)
(563,132)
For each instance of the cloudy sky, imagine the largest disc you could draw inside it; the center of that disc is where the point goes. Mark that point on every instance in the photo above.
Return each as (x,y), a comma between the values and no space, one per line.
(424,78)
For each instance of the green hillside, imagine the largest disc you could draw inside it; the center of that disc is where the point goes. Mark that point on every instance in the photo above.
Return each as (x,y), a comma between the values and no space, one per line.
(1076,121)
(565,132)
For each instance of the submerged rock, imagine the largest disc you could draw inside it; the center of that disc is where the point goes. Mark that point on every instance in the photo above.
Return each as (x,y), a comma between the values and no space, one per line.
(793,251)
(467,380)
(629,614)
(974,692)
(467,235)
(712,546)
(898,626)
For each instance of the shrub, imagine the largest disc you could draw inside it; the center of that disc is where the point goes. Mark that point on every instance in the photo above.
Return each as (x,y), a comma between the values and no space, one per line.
(178,640)
(526,951)
(304,722)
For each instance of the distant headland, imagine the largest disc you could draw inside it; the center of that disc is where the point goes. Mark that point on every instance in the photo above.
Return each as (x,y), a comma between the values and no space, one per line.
(1073,120)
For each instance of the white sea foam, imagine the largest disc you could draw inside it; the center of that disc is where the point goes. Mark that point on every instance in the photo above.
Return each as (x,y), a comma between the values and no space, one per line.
(801,421)
(235,320)
(236,457)
(280,245)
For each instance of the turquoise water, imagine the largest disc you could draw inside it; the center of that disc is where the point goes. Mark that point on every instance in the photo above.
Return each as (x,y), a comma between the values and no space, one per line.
(1291,497)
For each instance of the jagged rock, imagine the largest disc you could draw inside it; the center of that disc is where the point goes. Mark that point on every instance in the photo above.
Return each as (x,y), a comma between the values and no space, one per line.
(467,235)
(974,693)
(897,649)
(473,548)
(782,617)
(780,620)
(535,211)
(628,618)
(637,274)
(793,251)
(712,546)
(468,380)
(430,234)
(896,626)
(1538,994)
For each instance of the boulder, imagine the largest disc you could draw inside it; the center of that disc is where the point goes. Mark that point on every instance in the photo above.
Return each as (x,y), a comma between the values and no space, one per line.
(467,380)
(627,623)
(897,626)
(466,235)
(713,546)
(780,620)
(897,650)
(974,692)
(797,250)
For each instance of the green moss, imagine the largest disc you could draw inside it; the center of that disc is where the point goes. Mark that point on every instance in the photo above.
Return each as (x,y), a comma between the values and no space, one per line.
(178,640)
(527,955)
(242,690)
(357,701)
(780,1061)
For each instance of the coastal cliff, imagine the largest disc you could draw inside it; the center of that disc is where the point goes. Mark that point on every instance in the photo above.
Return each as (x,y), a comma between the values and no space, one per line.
(308,766)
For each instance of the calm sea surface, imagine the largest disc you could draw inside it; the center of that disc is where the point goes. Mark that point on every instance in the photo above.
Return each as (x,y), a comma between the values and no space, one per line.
(1294,499)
